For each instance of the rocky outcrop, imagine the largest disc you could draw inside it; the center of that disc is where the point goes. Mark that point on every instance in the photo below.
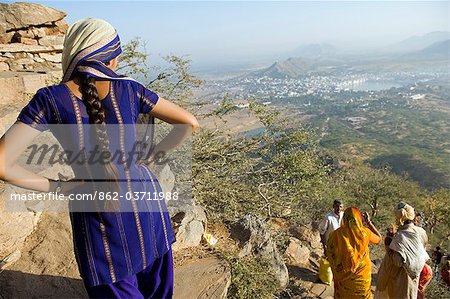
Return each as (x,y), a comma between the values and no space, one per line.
(21,15)
(254,238)
(188,219)
(18,87)
(306,234)
(188,224)
(297,252)
(31,37)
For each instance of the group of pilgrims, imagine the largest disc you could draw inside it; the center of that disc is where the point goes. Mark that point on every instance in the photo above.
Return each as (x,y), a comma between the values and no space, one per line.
(406,269)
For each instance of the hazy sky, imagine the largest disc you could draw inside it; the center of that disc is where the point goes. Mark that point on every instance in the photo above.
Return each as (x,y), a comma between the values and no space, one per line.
(223,31)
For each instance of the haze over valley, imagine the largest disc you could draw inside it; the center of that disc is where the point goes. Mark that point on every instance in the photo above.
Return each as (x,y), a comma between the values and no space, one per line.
(389,107)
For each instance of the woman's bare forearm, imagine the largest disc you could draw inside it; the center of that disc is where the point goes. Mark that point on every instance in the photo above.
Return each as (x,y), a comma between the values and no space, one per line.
(373,228)
(175,138)
(21,177)
(19,136)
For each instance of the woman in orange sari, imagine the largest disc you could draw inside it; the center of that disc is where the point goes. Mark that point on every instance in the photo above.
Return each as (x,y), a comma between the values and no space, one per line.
(348,254)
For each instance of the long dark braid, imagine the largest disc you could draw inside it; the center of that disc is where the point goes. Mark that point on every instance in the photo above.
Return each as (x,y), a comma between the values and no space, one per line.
(98,133)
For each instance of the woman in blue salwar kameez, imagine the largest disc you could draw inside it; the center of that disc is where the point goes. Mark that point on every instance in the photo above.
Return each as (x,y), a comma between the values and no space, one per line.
(119,254)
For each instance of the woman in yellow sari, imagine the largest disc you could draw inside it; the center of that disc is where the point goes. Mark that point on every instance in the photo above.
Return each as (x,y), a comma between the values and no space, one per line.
(348,254)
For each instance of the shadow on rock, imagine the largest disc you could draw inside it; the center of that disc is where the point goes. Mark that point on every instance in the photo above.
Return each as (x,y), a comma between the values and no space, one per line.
(302,273)
(16,285)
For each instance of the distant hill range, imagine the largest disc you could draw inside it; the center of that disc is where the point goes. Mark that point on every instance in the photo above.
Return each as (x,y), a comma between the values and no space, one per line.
(438,50)
(434,46)
(417,43)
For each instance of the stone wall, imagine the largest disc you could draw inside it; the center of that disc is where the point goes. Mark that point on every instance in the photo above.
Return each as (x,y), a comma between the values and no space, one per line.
(31,37)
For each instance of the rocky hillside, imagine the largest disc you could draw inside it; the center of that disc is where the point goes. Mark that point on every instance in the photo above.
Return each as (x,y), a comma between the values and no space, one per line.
(31,41)
(290,68)
(31,37)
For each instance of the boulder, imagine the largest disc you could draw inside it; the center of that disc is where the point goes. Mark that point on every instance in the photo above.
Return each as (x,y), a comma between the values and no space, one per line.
(22,15)
(202,278)
(8,116)
(317,289)
(328,293)
(166,178)
(322,291)
(18,219)
(47,266)
(9,260)
(38,59)
(19,55)
(188,224)
(25,60)
(306,234)
(55,30)
(298,253)
(187,218)
(254,238)
(16,67)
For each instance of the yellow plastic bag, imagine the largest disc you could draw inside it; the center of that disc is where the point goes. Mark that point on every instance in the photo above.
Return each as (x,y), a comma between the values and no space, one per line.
(210,239)
(325,273)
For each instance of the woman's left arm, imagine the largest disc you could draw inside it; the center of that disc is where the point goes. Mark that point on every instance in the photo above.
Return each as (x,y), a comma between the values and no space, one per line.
(184,124)
(12,145)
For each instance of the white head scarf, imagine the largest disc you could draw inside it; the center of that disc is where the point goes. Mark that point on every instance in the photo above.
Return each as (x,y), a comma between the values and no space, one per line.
(85,37)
